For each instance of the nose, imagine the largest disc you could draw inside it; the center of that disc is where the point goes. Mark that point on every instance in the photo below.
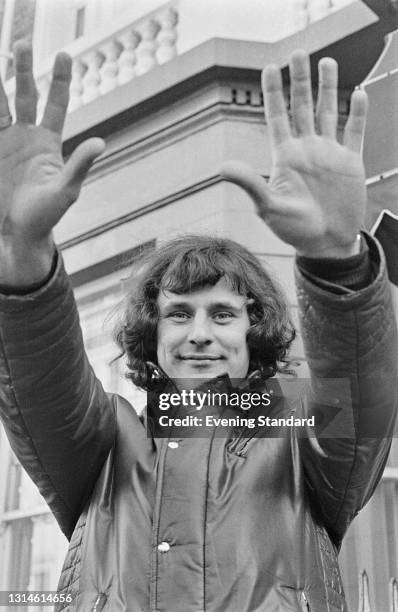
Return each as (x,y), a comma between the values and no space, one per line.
(200,331)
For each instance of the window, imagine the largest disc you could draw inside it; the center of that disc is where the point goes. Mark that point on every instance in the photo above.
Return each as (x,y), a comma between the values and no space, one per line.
(371,542)
(80,21)
(14,477)
(17,21)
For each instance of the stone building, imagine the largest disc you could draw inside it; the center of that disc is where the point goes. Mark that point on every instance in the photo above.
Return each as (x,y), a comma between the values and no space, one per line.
(173,87)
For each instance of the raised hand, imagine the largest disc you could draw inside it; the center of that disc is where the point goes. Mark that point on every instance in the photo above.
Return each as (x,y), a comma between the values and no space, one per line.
(315,199)
(36,187)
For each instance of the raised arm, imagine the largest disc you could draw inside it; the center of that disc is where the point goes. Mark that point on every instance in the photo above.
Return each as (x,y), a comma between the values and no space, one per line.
(315,201)
(56,414)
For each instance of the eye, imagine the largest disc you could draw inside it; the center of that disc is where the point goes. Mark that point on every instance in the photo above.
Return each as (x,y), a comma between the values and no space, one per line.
(179,316)
(222,317)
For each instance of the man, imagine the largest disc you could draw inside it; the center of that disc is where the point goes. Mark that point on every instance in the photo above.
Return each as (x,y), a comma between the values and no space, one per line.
(213,524)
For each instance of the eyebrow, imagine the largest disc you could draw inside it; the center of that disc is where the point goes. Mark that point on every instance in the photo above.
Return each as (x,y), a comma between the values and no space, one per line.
(226,305)
(212,306)
(176,304)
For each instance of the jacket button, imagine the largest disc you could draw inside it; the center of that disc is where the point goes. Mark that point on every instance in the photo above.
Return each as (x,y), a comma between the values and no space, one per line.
(163,547)
(173,445)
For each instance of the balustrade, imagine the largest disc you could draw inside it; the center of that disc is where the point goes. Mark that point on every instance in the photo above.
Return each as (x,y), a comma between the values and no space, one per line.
(122,56)
(364,604)
(307,11)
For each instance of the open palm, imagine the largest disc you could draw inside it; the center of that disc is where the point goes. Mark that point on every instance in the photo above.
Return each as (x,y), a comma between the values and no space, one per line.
(36,187)
(315,199)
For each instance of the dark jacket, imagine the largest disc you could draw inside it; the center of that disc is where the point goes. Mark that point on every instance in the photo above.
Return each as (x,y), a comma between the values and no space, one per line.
(213,524)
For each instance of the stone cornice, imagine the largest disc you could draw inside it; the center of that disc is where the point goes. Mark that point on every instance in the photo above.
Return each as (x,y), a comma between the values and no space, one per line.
(216,59)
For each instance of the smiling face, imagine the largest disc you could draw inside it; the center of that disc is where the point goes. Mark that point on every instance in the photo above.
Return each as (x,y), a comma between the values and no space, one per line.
(203,334)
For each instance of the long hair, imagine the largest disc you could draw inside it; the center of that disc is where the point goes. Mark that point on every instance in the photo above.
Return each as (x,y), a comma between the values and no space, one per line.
(186,264)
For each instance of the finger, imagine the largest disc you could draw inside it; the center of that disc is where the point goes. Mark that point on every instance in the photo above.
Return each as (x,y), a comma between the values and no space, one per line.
(58,96)
(25,91)
(275,105)
(355,126)
(76,169)
(301,93)
(255,186)
(326,110)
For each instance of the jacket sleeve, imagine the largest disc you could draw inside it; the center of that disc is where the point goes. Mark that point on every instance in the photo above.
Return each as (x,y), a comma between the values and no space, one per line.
(350,342)
(59,420)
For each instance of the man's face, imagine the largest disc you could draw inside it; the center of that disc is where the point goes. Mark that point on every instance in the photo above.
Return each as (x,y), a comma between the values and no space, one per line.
(203,334)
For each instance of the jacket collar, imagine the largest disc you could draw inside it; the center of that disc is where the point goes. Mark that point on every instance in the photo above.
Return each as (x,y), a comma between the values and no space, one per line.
(161,382)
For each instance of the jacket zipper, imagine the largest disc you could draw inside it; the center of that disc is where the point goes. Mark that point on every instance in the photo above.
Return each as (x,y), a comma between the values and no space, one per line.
(99,603)
(305,602)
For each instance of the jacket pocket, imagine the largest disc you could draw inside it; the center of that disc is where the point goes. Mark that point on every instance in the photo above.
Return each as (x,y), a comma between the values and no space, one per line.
(295,598)
(100,602)
(241,440)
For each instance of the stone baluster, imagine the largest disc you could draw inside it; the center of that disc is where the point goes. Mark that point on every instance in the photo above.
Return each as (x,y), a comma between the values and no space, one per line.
(92,78)
(76,86)
(146,50)
(110,68)
(363,587)
(318,9)
(127,59)
(167,36)
(301,16)
(11,102)
(393,595)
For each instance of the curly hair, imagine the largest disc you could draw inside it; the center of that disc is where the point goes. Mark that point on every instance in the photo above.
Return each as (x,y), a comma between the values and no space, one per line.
(186,264)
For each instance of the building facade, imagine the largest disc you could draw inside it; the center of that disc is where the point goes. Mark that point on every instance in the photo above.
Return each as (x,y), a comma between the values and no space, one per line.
(173,88)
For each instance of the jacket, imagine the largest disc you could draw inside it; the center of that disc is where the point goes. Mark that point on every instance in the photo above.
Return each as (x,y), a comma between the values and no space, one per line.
(216,524)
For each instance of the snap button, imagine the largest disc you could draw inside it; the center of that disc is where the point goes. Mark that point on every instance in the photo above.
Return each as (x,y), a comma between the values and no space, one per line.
(163,547)
(173,445)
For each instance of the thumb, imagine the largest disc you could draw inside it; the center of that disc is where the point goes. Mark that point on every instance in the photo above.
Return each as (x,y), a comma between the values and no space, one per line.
(77,167)
(255,186)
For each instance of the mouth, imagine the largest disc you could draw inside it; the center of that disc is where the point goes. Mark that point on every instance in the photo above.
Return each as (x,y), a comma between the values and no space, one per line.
(201,357)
